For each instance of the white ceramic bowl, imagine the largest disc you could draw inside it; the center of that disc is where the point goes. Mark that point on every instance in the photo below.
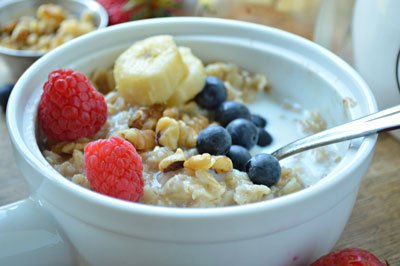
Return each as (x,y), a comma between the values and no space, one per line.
(99,230)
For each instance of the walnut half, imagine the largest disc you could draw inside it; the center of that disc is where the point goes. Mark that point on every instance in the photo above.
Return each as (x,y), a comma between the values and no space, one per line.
(173,162)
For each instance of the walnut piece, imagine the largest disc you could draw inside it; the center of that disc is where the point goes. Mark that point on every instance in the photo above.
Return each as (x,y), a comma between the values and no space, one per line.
(167,132)
(142,140)
(146,117)
(172,162)
(222,164)
(199,162)
(70,147)
(187,136)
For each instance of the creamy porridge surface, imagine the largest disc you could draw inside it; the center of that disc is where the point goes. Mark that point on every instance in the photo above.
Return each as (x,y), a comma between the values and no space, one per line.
(175,174)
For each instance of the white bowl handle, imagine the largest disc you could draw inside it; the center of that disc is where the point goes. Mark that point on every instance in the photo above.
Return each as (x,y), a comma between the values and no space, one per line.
(30,236)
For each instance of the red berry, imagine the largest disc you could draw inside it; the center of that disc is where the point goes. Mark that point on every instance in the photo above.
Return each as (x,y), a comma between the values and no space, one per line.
(70,108)
(349,257)
(114,168)
(117,13)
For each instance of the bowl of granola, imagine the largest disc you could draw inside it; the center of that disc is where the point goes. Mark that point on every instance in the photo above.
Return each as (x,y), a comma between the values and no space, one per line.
(30,28)
(154,137)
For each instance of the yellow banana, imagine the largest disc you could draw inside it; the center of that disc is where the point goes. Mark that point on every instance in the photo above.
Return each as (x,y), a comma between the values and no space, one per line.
(150,71)
(193,83)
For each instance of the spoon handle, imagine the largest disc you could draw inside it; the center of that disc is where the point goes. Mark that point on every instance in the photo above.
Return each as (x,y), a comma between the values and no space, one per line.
(388,119)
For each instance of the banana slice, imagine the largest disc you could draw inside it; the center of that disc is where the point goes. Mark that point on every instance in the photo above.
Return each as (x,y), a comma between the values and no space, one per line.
(149,71)
(193,82)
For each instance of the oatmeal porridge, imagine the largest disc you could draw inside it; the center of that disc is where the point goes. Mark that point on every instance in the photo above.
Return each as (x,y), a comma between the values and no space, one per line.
(51,27)
(200,134)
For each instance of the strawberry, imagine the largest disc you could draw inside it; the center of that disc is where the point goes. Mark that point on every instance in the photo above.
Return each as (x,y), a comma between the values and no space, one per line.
(120,11)
(349,257)
(117,13)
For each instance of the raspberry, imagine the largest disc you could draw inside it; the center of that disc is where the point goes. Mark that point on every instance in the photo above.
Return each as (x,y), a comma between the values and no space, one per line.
(114,168)
(349,257)
(70,108)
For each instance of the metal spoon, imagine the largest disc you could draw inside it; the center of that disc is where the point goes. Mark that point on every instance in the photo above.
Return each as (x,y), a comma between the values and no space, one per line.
(388,119)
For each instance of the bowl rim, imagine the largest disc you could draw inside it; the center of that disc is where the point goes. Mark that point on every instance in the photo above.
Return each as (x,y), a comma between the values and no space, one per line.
(364,151)
(93,5)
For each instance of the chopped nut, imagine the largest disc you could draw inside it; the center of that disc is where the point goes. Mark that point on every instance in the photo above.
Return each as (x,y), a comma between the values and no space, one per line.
(44,42)
(260,83)
(167,132)
(51,27)
(313,123)
(142,140)
(10,26)
(289,182)
(20,33)
(217,69)
(241,85)
(51,11)
(146,117)
(137,119)
(222,164)
(234,94)
(199,162)
(52,157)
(32,39)
(151,159)
(320,154)
(81,180)
(74,27)
(171,112)
(115,103)
(119,105)
(73,166)
(87,16)
(70,147)
(198,123)
(173,162)
(291,186)
(187,136)
(67,169)
(191,108)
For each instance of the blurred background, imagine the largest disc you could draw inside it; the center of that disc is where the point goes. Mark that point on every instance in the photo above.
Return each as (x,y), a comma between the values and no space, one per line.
(327,22)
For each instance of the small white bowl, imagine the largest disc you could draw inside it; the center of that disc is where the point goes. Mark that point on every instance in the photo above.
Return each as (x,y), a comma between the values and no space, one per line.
(290,230)
(19,60)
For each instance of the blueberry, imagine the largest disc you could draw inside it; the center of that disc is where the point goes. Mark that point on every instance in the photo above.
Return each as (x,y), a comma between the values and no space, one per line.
(243,132)
(229,111)
(258,120)
(239,157)
(214,140)
(263,169)
(264,138)
(5,91)
(213,94)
